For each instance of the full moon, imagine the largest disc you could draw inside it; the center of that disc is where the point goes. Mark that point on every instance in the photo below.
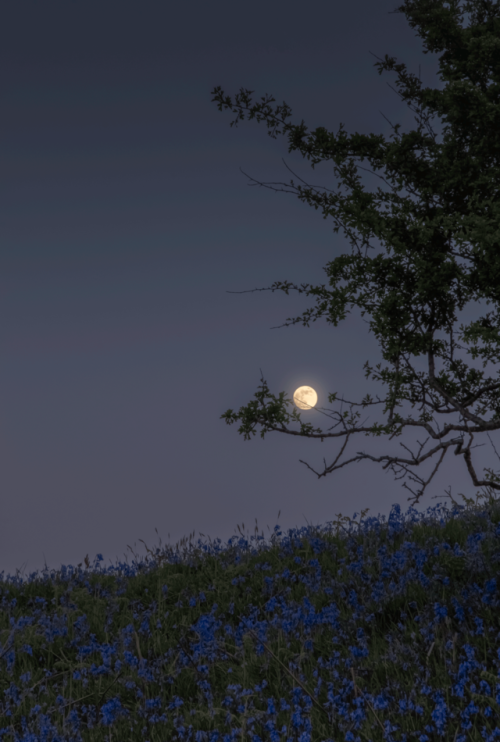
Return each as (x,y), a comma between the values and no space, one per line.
(305,397)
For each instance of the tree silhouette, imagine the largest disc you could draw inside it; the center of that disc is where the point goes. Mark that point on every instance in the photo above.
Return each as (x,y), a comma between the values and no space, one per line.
(412,292)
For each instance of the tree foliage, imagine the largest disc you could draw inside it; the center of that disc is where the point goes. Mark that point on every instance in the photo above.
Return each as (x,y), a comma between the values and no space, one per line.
(413,292)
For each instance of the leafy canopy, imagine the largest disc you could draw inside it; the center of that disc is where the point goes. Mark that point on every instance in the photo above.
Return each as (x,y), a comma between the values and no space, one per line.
(412,292)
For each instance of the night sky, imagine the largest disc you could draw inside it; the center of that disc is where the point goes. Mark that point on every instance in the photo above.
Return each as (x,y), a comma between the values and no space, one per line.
(125,220)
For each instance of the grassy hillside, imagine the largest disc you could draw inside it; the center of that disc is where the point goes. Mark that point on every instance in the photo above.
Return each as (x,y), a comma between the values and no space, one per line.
(376,631)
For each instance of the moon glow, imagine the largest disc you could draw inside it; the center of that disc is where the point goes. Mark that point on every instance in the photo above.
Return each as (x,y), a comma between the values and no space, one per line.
(305,397)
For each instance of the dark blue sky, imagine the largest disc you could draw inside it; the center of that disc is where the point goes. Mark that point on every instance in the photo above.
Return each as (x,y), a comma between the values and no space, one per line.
(124,222)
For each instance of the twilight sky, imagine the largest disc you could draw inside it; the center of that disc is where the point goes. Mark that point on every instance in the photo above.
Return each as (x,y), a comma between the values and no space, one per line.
(125,221)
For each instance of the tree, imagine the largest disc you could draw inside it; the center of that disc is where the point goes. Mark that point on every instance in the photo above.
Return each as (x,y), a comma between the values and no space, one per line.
(413,294)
